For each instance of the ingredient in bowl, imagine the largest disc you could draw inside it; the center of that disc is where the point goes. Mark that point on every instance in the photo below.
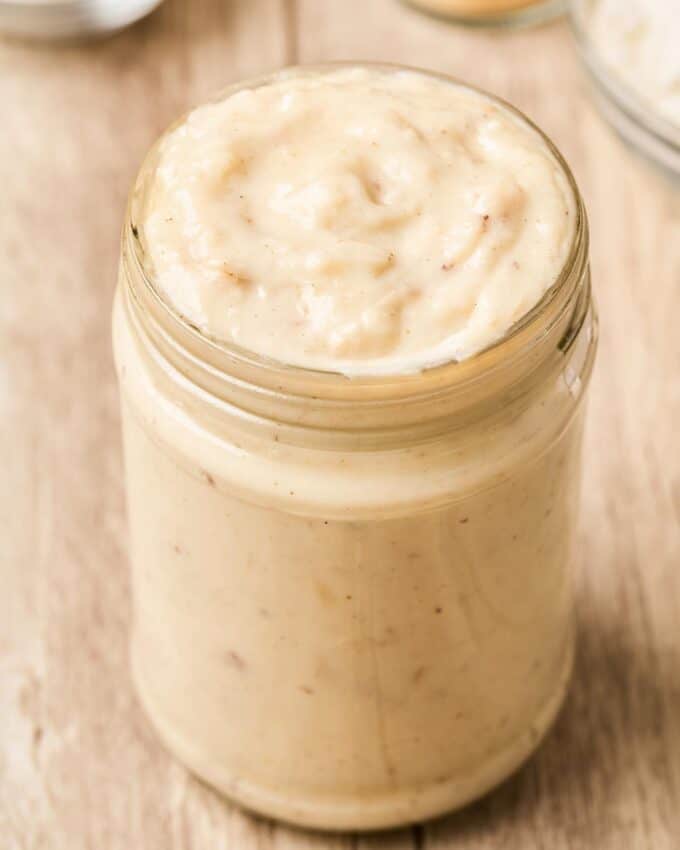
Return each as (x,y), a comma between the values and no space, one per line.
(639,40)
(475,9)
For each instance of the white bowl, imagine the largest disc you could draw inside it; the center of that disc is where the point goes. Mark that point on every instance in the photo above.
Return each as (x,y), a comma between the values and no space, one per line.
(64,19)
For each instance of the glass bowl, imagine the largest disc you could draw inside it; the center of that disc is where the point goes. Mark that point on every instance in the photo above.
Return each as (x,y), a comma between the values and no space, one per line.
(634,119)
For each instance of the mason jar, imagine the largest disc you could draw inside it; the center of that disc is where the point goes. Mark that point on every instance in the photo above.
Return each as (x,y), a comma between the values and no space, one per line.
(352,596)
(494,13)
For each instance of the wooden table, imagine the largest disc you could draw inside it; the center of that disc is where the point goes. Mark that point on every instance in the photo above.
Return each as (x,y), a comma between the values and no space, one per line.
(79,766)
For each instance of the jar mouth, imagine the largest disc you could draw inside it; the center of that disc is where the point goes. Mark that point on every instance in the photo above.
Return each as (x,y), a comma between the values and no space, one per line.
(233,359)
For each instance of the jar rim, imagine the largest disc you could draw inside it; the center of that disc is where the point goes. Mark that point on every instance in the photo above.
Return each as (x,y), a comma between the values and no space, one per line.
(230,358)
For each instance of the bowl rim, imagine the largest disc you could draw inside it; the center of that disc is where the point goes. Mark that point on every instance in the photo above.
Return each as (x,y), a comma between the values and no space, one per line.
(630,101)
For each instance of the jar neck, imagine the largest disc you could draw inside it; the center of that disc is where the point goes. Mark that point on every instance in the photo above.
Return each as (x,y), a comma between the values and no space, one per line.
(236,383)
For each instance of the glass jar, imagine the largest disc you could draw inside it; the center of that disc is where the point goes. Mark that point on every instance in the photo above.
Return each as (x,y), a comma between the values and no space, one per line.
(352,597)
(499,13)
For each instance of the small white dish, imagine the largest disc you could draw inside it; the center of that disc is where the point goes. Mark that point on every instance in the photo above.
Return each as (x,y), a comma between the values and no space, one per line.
(67,19)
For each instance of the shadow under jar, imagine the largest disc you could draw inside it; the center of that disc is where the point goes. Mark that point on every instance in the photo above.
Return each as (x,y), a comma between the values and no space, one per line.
(352,596)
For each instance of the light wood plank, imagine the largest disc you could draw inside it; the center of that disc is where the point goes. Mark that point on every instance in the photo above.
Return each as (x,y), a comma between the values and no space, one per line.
(609,775)
(79,767)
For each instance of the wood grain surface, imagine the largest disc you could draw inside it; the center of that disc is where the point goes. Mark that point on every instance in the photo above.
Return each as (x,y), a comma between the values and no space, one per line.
(80,768)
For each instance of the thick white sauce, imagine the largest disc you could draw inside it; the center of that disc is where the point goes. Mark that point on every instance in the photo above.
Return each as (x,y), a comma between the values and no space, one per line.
(360,220)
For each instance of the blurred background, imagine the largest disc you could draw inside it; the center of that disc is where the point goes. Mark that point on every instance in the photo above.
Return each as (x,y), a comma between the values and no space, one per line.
(79,767)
